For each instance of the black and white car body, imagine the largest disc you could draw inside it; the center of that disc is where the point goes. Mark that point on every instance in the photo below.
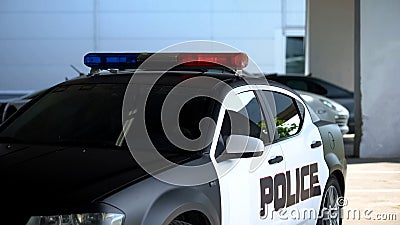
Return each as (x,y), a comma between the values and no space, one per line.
(60,164)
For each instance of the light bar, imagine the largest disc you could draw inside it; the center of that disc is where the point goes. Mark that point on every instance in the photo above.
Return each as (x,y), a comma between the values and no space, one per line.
(236,61)
(231,60)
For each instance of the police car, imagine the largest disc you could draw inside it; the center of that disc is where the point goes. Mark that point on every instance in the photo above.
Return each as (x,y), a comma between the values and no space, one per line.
(228,148)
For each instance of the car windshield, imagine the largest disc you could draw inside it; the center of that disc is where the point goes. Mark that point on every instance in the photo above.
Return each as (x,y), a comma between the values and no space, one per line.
(34,94)
(91,115)
(334,91)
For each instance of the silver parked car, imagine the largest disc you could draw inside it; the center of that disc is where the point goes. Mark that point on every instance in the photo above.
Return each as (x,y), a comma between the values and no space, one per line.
(327,109)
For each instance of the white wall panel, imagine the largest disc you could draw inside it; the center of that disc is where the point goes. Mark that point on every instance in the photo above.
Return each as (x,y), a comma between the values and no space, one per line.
(154,5)
(296,19)
(295,6)
(65,26)
(20,6)
(246,5)
(153,25)
(43,37)
(245,25)
(43,52)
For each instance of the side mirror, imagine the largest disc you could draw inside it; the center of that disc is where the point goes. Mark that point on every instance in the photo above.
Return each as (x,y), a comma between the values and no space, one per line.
(241,146)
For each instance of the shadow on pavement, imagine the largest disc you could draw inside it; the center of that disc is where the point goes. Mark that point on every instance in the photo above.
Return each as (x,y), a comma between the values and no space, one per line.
(372,160)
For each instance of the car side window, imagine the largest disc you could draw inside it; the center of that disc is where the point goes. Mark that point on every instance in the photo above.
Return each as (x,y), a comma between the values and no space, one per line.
(243,117)
(288,116)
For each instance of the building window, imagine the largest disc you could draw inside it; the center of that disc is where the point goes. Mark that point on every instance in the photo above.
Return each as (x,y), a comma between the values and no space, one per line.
(295,59)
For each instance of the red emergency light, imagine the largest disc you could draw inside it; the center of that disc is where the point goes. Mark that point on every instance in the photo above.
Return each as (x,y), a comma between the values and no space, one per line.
(232,60)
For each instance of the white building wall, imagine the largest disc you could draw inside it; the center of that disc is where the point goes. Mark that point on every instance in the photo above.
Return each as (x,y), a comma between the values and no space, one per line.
(380,78)
(44,37)
(40,39)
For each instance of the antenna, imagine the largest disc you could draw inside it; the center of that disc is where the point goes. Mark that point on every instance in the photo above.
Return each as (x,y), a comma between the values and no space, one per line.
(76,69)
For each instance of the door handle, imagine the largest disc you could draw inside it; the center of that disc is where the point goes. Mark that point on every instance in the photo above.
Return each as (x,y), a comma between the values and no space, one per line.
(316,144)
(276,159)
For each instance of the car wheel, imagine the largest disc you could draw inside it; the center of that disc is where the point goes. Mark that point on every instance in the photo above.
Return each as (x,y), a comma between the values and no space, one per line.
(177,222)
(331,210)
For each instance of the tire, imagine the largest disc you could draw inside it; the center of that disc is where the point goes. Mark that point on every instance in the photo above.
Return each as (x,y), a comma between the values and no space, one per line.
(177,222)
(330,211)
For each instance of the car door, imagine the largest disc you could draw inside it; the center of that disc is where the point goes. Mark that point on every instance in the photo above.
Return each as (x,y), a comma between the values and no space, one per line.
(306,171)
(245,183)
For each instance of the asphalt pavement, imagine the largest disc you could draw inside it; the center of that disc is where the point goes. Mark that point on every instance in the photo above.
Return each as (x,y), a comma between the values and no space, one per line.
(372,191)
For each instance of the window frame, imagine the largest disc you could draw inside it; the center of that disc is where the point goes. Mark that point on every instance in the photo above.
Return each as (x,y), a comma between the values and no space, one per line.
(255,88)
(301,116)
(254,92)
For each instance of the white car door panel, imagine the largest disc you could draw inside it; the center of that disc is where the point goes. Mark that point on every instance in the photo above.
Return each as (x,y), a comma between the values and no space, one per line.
(305,164)
(241,180)
(285,184)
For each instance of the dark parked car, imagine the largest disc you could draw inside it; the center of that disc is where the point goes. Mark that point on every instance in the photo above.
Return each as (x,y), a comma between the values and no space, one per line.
(6,96)
(321,87)
(10,107)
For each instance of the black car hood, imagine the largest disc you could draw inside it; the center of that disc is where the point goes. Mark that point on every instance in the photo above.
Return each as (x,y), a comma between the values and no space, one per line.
(34,178)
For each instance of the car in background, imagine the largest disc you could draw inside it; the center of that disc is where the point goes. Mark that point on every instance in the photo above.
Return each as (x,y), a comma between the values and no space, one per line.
(320,87)
(327,109)
(11,101)
(12,105)
(6,96)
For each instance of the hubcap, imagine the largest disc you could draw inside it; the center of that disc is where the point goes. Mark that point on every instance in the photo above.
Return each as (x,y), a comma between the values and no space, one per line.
(331,212)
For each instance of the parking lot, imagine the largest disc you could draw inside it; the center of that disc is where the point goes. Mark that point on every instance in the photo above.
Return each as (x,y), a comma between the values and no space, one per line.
(373,191)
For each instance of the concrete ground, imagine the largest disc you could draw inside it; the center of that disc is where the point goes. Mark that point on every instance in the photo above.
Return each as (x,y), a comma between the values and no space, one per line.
(372,190)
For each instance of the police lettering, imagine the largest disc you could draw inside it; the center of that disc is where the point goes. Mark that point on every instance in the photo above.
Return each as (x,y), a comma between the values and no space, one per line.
(279,188)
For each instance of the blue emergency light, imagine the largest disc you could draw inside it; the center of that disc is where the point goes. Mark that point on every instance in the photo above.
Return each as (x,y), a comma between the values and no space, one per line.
(111,60)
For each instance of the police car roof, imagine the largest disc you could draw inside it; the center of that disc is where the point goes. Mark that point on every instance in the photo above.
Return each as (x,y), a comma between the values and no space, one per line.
(175,77)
